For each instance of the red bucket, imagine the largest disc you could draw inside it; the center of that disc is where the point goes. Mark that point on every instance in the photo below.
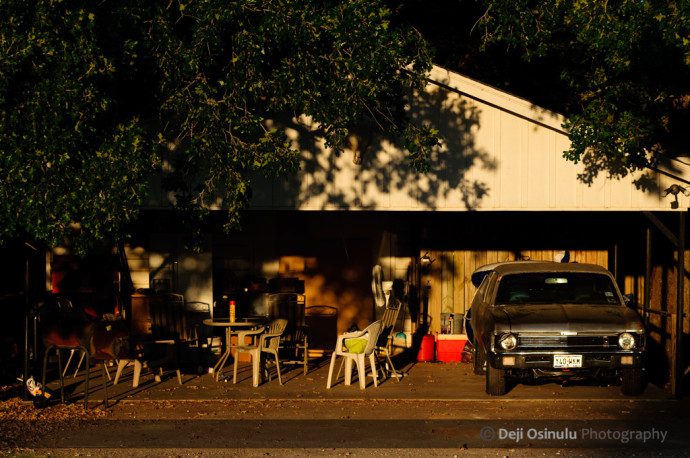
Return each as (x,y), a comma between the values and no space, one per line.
(427,349)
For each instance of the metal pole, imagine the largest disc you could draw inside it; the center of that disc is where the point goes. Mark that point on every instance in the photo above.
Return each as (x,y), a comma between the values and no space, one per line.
(615,264)
(29,250)
(678,363)
(27,312)
(647,278)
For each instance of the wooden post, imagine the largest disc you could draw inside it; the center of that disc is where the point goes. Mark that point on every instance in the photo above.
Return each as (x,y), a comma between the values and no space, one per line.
(677,383)
(674,366)
(647,278)
(676,326)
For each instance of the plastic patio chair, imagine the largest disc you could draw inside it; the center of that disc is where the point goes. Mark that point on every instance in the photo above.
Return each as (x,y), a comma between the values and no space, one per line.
(384,341)
(168,330)
(356,355)
(269,342)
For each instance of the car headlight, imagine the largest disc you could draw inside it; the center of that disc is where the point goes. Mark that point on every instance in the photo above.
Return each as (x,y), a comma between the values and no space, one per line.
(508,341)
(626,341)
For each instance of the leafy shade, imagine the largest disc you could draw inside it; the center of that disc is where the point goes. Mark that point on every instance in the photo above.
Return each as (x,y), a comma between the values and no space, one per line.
(95,97)
(627,65)
(69,163)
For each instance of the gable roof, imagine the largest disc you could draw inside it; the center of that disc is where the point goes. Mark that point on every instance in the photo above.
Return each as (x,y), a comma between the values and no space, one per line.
(496,98)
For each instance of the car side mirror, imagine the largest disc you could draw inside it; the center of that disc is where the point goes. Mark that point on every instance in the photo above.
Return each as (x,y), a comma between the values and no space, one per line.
(629,300)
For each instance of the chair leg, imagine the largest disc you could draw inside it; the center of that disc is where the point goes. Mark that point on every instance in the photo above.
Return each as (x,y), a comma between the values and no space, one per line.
(107,372)
(256,363)
(340,368)
(69,360)
(106,377)
(278,369)
(348,370)
(137,373)
(62,379)
(381,367)
(121,365)
(306,356)
(374,371)
(234,369)
(221,364)
(81,360)
(330,371)
(86,382)
(395,373)
(361,371)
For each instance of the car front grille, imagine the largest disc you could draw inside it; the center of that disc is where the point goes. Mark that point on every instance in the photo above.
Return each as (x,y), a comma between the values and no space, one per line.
(557,341)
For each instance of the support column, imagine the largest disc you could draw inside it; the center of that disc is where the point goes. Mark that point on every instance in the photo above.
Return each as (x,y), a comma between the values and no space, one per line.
(677,329)
(29,251)
(647,278)
(27,318)
(616,254)
(677,382)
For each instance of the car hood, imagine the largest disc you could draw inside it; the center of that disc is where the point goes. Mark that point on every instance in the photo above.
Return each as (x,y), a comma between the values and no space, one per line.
(566,317)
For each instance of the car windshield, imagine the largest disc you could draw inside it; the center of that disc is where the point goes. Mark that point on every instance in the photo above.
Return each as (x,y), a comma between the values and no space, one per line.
(556,288)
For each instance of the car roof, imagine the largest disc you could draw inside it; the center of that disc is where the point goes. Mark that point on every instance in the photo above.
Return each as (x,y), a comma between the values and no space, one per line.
(511,267)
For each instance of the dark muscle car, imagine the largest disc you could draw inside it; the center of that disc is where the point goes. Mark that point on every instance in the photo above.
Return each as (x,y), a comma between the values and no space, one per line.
(534,319)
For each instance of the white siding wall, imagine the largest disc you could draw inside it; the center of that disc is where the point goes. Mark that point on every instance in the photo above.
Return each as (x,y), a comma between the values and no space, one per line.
(500,153)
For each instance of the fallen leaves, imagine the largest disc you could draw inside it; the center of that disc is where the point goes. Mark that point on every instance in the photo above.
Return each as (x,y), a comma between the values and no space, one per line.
(21,423)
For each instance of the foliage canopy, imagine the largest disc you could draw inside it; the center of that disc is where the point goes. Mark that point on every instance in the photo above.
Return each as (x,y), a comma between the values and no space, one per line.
(95,97)
(626,65)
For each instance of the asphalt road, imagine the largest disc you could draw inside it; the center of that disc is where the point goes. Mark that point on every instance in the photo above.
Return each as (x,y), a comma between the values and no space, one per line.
(435,410)
(493,427)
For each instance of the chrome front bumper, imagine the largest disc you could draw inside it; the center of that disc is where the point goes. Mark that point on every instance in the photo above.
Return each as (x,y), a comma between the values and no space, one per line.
(591,359)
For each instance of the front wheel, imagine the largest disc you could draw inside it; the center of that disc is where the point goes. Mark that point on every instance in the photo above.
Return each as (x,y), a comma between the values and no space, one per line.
(633,381)
(496,384)
(479,360)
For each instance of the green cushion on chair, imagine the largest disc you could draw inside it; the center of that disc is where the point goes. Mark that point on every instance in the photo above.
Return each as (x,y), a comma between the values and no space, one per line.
(356,345)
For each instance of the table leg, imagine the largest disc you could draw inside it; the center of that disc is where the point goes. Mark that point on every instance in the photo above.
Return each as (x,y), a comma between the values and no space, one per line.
(224,358)
(220,364)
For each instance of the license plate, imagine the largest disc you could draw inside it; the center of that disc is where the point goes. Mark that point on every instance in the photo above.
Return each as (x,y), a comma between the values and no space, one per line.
(567,361)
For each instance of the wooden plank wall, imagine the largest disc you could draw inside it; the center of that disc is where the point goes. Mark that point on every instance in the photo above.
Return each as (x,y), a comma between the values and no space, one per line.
(449,276)
(661,328)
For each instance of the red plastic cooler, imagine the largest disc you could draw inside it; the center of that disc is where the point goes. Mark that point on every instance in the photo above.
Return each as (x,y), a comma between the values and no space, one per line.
(449,347)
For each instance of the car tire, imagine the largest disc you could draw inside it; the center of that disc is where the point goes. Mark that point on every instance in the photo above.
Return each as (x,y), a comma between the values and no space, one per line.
(496,383)
(479,360)
(633,381)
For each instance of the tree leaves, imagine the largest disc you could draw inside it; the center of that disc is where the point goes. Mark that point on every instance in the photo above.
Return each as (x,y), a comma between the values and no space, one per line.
(95,97)
(626,65)
(63,149)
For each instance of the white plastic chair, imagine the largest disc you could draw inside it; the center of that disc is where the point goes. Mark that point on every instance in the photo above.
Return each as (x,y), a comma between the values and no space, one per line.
(371,333)
(269,342)
(383,344)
